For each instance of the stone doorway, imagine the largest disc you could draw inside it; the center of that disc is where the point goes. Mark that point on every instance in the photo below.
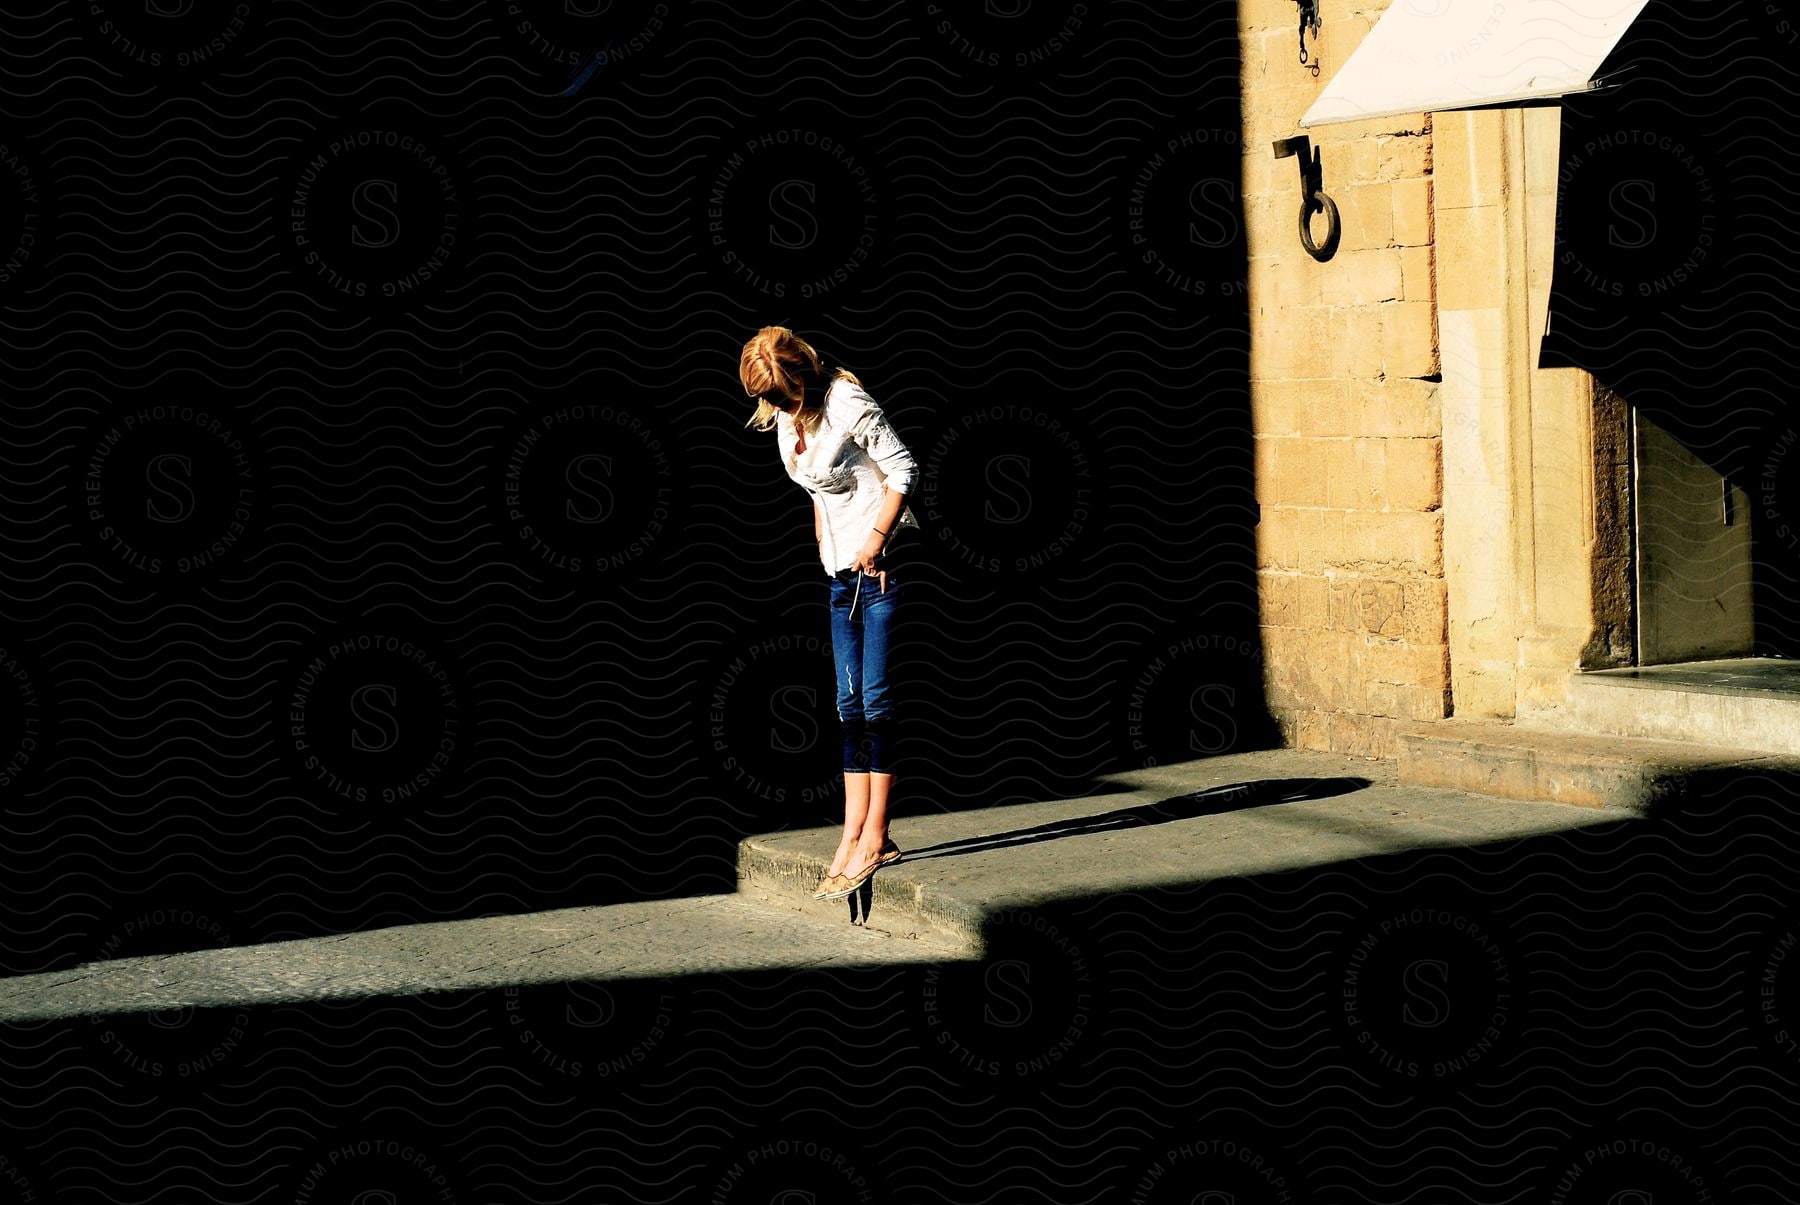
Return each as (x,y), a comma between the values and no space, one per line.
(1692,553)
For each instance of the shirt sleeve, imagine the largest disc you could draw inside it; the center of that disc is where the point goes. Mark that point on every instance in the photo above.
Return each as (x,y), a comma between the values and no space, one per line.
(872,432)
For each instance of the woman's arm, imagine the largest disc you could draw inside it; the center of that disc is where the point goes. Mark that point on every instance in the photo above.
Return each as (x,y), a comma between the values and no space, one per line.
(877,437)
(872,432)
(885,518)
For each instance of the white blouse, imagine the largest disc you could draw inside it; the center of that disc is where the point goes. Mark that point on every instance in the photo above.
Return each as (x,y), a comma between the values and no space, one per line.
(850,463)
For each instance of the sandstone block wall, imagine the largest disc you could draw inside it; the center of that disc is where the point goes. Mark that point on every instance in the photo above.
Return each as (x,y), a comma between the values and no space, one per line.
(1345,399)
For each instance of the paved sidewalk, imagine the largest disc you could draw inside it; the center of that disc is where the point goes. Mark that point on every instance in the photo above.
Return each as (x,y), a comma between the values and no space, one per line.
(1221,817)
(1170,826)
(695,936)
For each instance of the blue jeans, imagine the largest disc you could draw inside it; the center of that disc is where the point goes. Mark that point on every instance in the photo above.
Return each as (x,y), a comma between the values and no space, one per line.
(859,648)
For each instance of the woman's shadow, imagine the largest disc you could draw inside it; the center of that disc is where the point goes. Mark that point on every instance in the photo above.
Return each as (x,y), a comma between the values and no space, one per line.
(1212,801)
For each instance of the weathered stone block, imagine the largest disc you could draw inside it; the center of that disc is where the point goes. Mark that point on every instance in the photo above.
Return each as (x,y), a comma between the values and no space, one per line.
(1343,473)
(1286,343)
(1408,339)
(1397,406)
(1376,276)
(1412,474)
(1333,524)
(1400,541)
(1412,609)
(1258,177)
(1410,212)
(1313,599)
(1399,663)
(1306,666)
(1278,538)
(1287,471)
(1470,259)
(1418,274)
(1405,157)
(1366,213)
(1325,407)
(1348,733)
(1278,598)
(1401,702)
(1286,407)
(1360,332)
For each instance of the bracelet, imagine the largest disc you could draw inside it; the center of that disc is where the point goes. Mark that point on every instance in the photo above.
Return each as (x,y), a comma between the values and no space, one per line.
(883,533)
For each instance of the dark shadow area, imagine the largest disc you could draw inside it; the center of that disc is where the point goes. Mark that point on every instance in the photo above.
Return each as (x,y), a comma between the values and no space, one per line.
(1602,1014)
(1674,279)
(385,543)
(1697,794)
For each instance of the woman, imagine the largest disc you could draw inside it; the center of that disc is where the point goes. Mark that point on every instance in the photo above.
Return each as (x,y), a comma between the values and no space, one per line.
(836,443)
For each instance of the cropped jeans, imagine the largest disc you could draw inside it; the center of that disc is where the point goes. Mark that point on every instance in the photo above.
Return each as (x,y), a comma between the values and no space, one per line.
(860,648)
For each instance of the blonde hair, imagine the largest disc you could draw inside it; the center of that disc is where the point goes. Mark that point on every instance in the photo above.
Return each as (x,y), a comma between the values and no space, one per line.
(777,361)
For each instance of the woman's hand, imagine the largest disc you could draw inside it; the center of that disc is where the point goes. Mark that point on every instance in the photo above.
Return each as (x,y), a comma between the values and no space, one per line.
(867,555)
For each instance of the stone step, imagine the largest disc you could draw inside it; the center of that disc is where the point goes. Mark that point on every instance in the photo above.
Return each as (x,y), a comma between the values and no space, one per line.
(968,875)
(1744,703)
(784,873)
(1632,774)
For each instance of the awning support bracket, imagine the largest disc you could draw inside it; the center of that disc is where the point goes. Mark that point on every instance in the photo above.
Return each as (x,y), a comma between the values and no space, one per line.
(1309,19)
(1313,197)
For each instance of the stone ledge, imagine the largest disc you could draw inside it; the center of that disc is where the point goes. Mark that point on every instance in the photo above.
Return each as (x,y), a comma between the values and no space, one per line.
(1747,703)
(1619,773)
(782,870)
(1167,828)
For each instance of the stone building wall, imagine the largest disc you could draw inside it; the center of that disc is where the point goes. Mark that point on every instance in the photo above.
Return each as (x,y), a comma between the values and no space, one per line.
(1346,404)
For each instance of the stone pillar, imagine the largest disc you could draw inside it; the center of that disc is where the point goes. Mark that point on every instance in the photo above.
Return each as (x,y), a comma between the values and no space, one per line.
(1536,524)
(1486,470)
(1580,610)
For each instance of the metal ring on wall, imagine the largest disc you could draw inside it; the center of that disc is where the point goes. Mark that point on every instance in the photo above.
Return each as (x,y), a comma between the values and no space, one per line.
(1320,202)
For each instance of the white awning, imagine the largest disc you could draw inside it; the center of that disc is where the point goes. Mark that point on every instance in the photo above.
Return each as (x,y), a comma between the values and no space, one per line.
(1430,55)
